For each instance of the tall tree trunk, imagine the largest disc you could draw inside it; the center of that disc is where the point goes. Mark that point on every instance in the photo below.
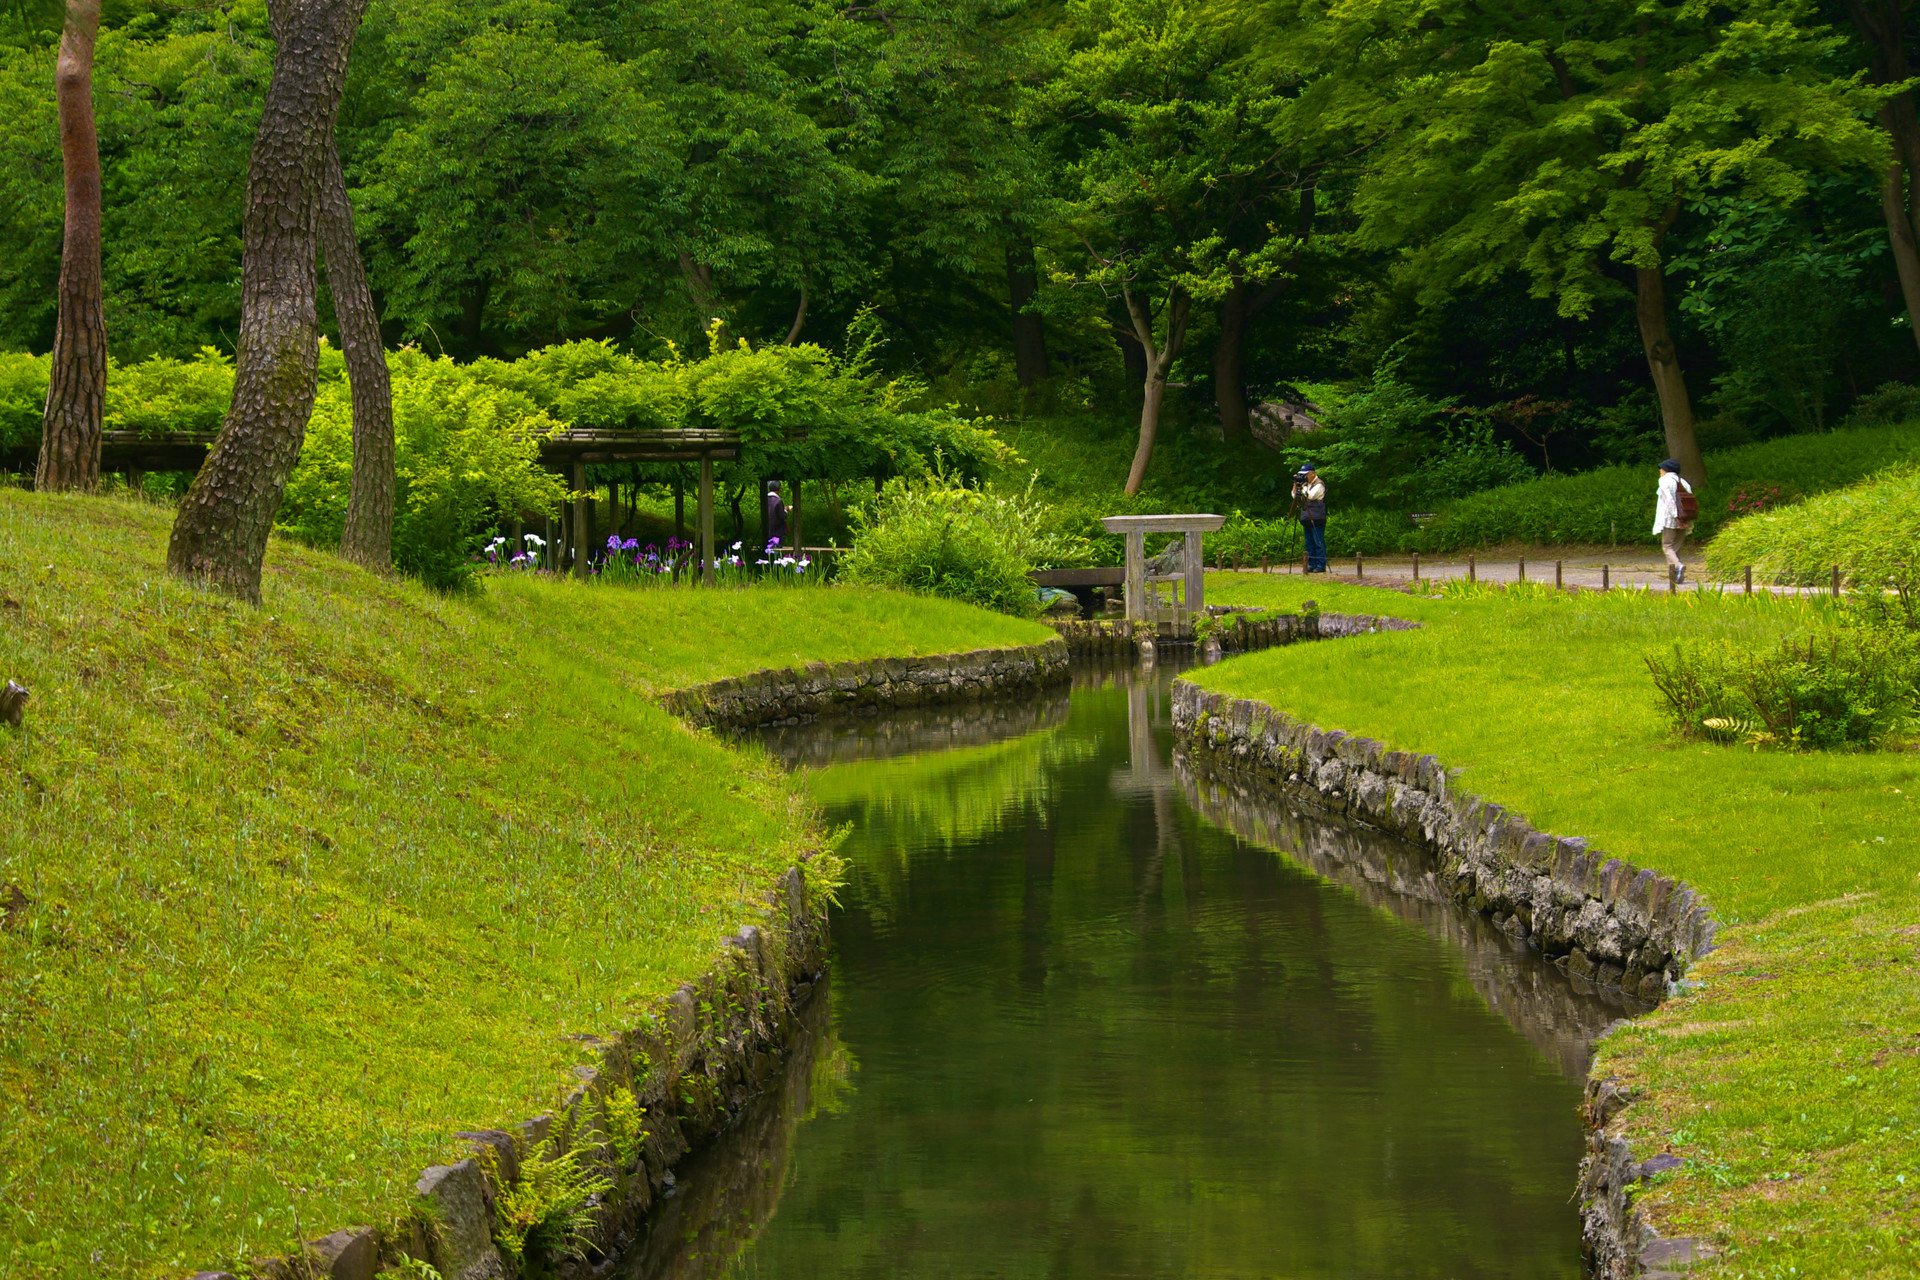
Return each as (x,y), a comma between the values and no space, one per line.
(699,278)
(799,319)
(220,535)
(1663,361)
(1237,311)
(368,536)
(77,390)
(1029,335)
(1882,28)
(1159,357)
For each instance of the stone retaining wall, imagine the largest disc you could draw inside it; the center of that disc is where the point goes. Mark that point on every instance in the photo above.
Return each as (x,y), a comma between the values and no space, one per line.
(791,695)
(1601,917)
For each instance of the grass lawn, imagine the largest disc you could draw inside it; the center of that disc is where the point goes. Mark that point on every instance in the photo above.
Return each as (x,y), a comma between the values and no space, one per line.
(289,895)
(1790,1080)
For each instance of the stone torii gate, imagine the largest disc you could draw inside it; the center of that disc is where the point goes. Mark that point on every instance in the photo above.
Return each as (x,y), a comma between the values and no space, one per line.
(1143,605)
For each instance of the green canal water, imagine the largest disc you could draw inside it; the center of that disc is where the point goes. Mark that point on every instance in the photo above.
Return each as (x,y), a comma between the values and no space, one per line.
(1092,1016)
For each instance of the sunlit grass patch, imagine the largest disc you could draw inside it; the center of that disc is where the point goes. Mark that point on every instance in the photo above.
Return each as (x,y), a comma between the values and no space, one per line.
(300,891)
(1788,1081)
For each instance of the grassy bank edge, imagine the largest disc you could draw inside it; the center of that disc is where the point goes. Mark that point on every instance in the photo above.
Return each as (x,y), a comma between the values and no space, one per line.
(1785,1078)
(376,835)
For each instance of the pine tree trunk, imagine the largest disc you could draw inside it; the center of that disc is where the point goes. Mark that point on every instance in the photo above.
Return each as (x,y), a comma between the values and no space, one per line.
(1229,385)
(1663,361)
(368,536)
(77,389)
(220,535)
(1029,335)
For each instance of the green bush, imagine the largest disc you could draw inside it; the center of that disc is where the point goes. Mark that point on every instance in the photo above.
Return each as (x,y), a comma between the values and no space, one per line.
(1887,405)
(940,537)
(23,399)
(467,456)
(1852,686)
(1869,530)
(1588,508)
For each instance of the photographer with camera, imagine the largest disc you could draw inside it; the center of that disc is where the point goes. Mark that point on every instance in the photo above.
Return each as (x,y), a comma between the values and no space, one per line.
(1310,499)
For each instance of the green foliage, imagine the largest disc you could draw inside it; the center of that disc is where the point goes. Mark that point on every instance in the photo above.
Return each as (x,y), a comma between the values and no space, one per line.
(1588,508)
(1848,687)
(939,536)
(1888,404)
(547,1216)
(23,398)
(467,456)
(161,394)
(765,394)
(1870,530)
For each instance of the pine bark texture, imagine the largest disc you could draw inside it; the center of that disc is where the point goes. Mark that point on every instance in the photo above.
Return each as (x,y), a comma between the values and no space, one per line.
(1159,358)
(367,538)
(220,535)
(1029,335)
(1663,362)
(77,388)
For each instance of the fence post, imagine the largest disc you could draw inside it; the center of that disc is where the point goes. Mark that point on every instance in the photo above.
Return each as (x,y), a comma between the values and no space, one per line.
(1359,565)
(1673,581)
(1836,582)
(1749,577)
(1263,564)
(1416,566)
(1606,577)
(1523,568)
(1472,570)
(1559,575)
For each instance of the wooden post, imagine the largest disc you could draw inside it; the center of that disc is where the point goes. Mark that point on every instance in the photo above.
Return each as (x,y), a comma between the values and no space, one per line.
(1559,575)
(705,516)
(1359,565)
(582,516)
(1473,573)
(1523,568)
(1606,574)
(793,517)
(1236,562)
(1263,564)
(1137,577)
(1196,576)
(1673,581)
(1416,566)
(1749,580)
(1836,582)
(613,506)
(679,507)
(547,552)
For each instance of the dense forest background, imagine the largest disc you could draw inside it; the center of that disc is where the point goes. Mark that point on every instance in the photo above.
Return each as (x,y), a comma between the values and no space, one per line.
(1437,217)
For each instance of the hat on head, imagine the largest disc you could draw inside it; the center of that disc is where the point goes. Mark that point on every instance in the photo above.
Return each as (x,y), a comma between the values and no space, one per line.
(1670,465)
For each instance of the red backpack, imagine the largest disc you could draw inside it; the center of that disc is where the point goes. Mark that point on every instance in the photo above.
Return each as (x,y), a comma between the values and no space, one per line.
(1687,504)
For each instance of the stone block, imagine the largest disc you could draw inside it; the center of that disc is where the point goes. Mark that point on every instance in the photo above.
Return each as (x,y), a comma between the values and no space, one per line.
(352,1253)
(1652,988)
(461,1239)
(494,1147)
(1537,850)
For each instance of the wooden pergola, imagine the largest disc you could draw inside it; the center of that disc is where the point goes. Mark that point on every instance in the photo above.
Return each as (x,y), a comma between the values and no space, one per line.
(568,452)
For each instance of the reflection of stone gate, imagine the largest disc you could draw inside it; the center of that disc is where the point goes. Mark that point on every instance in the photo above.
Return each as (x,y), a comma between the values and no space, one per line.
(1173,614)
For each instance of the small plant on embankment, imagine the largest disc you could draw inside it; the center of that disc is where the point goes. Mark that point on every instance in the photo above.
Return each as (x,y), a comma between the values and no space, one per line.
(291,895)
(546,1216)
(940,536)
(1787,1075)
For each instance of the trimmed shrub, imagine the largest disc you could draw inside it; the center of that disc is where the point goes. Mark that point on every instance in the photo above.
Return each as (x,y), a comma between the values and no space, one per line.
(1870,530)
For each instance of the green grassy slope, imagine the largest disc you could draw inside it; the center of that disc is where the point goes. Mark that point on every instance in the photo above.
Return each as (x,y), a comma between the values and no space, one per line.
(1791,1082)
(297,892)
(1868,530)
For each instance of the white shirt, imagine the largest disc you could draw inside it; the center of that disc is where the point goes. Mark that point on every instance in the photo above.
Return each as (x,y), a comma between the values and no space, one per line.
(1316,491)
(1666,512)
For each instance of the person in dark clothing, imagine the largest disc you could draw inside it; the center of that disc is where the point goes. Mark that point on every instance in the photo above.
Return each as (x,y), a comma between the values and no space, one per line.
(776,525)
(1310,496)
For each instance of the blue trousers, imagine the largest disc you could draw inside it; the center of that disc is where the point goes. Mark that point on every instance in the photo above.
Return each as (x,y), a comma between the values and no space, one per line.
(1316,531)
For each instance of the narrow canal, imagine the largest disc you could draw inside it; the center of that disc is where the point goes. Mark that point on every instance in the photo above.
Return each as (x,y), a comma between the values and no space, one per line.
(1091,1016)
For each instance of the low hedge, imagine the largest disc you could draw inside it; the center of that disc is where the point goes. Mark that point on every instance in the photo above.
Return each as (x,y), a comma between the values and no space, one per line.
(1868,530)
